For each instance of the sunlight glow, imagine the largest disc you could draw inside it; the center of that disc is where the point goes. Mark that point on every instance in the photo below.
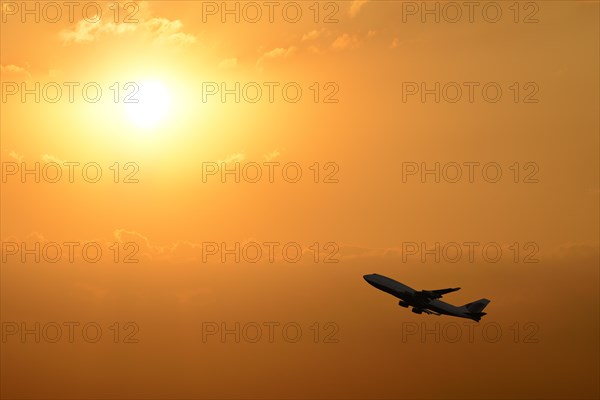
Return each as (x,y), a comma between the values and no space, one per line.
(154,101)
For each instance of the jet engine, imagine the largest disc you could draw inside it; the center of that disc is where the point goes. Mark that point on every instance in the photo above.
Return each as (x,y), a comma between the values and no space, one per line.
(403,303)
(417,310)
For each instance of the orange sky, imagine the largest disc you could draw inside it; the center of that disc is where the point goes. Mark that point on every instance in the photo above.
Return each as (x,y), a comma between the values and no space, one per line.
(359,196)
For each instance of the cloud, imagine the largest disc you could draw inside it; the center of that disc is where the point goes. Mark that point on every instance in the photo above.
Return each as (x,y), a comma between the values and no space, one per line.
(315,39)
(89,31)
(136,246)
(11,68)
(312,35)
(313,49)
(127,236)
(15,72)
(272,155)
(344,41)
(348,252)
(228,63)
(180,251)
(35,236)
(161,30)
(278,52)
(168,32)
(16,156)
(355,7)
(48,158)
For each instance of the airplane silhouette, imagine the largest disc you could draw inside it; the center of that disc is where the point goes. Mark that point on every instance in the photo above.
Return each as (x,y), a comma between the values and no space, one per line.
(426,301)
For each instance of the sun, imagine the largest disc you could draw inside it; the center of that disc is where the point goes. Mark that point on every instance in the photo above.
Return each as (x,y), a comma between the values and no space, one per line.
(148,104)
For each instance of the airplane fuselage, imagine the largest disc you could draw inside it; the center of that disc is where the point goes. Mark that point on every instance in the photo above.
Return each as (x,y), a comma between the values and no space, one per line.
(416,299)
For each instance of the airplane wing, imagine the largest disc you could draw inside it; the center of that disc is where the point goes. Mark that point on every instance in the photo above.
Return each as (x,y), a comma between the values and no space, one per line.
(436,294)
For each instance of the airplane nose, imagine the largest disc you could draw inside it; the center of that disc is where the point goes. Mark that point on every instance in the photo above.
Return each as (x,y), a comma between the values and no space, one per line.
(369,277)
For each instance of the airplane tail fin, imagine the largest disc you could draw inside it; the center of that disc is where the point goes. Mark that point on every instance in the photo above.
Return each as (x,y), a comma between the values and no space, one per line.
(476,308)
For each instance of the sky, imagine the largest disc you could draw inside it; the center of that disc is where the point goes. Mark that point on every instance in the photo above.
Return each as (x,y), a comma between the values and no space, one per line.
(192,191)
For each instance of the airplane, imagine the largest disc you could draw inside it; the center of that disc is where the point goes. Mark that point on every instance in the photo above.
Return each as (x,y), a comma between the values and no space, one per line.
(426,301)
